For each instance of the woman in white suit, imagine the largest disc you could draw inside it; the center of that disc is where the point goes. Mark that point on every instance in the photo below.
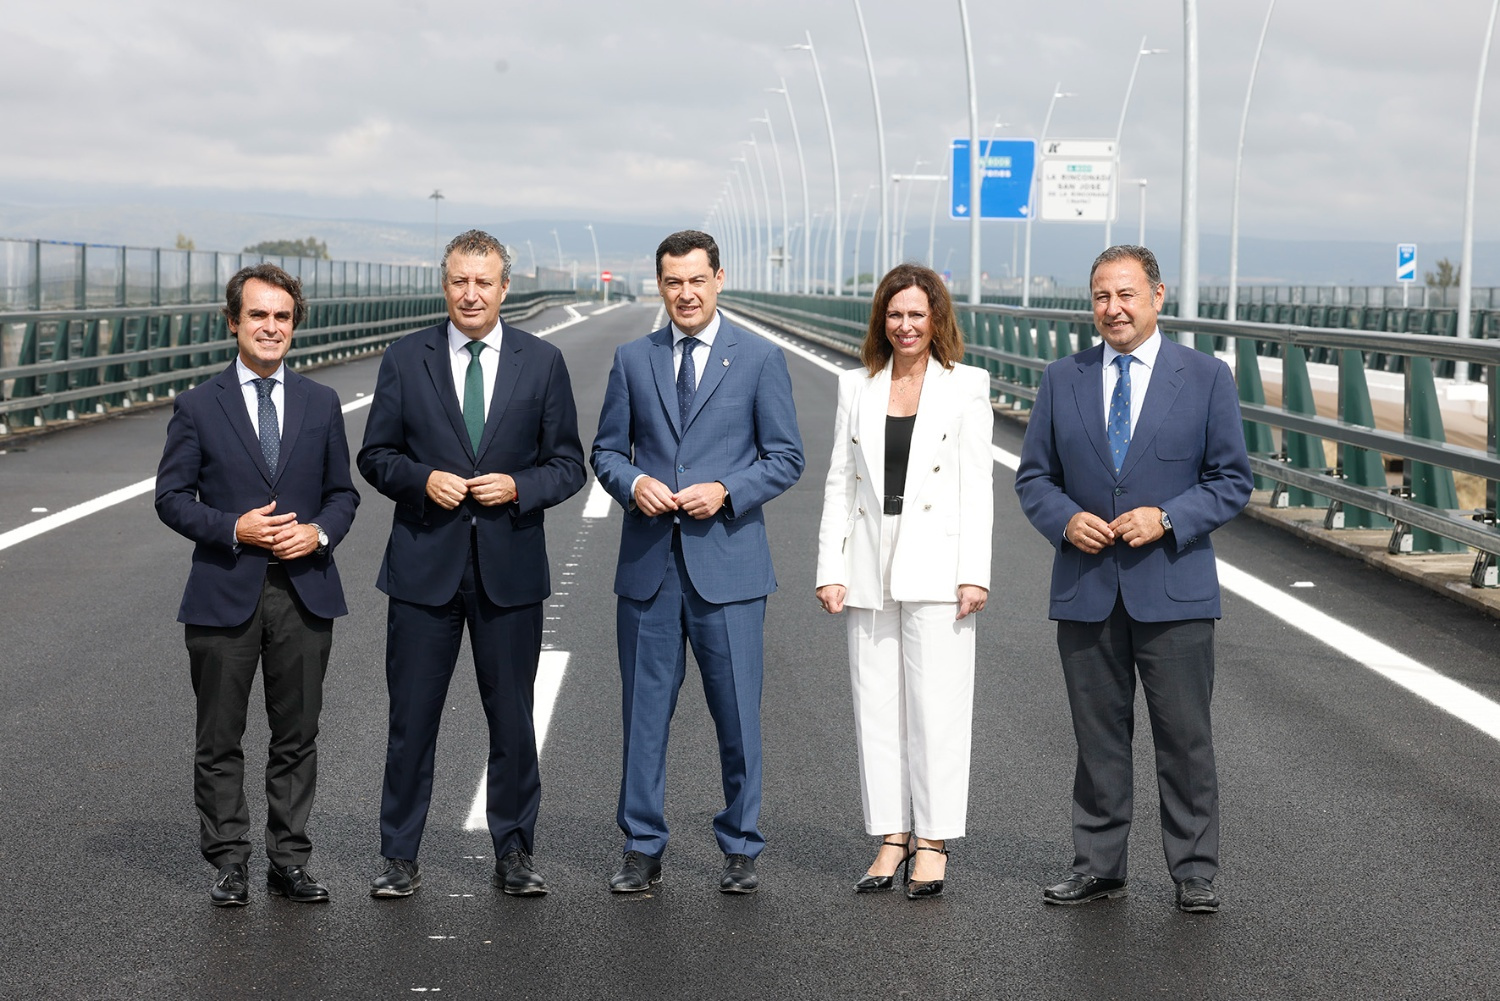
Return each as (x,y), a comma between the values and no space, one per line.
(904,551)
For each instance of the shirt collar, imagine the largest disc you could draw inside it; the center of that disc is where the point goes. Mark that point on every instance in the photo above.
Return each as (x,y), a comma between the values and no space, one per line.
(706,335)
(458,341)
(1145,354)
(244,374)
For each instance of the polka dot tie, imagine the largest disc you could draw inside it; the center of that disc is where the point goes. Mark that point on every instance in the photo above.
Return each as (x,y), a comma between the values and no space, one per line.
(265,415)
(1119,413)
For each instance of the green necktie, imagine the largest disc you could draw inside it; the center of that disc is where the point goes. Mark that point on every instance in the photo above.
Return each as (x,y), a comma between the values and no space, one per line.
(474,395)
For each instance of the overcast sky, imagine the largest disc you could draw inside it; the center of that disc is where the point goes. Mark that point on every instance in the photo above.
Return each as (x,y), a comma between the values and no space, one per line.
(633,111)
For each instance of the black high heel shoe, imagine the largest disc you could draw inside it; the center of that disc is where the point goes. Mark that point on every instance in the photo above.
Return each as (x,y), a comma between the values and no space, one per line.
(875,884)
(918,888)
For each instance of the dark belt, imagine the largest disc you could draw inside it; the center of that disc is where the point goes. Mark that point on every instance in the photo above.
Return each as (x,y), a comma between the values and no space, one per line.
(892,505)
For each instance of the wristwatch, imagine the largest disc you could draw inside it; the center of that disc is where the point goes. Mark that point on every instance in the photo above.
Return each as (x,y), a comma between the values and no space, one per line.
(1166,523)
(323,539)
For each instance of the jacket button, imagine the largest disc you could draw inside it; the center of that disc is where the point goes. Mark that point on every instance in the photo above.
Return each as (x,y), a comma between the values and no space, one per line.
(858,477)
(682,469)
(926,507)
(936,468)
(861,510)
(855,439)
(1119,491)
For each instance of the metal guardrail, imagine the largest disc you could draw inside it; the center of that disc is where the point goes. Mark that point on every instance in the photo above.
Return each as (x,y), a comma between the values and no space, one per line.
(77,361)
(1015,344)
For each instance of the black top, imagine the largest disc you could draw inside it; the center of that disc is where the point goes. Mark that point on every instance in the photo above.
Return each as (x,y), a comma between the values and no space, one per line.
(897,452)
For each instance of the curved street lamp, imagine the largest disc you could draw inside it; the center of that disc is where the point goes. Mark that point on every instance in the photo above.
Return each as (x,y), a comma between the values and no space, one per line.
(833,153)
(1057,93)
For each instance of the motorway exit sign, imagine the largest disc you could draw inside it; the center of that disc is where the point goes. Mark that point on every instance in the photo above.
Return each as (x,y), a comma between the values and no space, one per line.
(1406,262)
(1008,166)
(1078,177)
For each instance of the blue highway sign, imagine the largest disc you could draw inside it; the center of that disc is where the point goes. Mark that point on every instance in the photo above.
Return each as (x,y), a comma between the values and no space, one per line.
(1008,166)
(1406,262)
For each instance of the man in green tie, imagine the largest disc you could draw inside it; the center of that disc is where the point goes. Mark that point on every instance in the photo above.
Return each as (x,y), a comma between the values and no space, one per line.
(474,434)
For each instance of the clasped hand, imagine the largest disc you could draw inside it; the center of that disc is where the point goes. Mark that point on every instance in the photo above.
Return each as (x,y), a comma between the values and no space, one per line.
(280,533)
(1137,527)
(699,501)
(447,490)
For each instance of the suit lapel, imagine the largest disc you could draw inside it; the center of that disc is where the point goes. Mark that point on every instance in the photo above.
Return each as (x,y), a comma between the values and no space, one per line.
(507,371)
(720,358)
(666,379)
(232,399)
(1161,393)
(294,407)
(440,371)
(933,408)
(873,405)
(1088,393)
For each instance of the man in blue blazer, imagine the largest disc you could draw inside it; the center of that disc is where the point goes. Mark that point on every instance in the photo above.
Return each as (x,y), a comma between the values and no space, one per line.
(698,431)
(474,434)
(256,472)
(1133,455)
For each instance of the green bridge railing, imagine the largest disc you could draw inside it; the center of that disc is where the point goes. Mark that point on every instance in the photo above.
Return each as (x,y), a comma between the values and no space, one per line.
(1286,442)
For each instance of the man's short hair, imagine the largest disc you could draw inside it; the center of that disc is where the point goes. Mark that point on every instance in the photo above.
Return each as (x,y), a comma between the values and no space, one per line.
(477,243)
(684,243)
(1130,252)
(234,292)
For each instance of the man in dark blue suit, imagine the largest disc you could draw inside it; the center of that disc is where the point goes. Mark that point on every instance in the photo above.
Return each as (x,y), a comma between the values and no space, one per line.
(256,472)
(1133,455)
(474,434)
(698,431)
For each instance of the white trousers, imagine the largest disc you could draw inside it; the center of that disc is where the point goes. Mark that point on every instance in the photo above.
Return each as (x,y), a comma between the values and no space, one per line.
(911,667)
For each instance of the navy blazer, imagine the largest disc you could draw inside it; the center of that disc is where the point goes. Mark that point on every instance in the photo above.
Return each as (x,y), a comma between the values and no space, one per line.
(1187,456)
(416,426)
(212,471)
(741,431)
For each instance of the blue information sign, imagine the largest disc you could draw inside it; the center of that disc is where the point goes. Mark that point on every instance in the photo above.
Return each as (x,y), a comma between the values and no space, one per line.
(1008,166)
(1406,262)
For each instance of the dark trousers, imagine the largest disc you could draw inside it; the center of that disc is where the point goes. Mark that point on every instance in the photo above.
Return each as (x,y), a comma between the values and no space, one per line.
(728,642)
(291,645)
(1175,661)
(421,651)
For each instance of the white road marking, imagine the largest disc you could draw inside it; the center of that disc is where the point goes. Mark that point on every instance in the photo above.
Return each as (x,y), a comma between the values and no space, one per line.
(1452,697)
(599,503)
(69,515)
(549,678)
(577,317)
(605,309)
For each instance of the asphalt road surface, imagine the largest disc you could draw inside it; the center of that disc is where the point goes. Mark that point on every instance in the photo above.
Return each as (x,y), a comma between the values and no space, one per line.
(1360,820)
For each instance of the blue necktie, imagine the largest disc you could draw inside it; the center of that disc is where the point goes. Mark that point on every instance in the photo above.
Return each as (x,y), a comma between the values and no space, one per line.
(270,434)
(1119,413)
(687,379)
(474,395)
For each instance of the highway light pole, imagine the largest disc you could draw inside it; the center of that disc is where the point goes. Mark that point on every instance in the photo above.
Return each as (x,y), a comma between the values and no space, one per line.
(598,268)
(1036,181)
(765,192)
(1466,268)
(806,208)
(976,170)
(1232,308)
(882,241)
(1187,292)
(833,152)
(781,184)
(436,196)
(1114,185)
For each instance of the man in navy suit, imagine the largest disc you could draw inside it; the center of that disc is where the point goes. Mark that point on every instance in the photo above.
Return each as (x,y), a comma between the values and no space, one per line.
(474,434)
(698,431)
(256,472)
(1133,455)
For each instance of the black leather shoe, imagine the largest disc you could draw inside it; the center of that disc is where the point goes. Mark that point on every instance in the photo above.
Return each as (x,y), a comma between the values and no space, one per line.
(400,879)
(637,872)
(1196,895)
(739,875)
(295,884)
(916,889)
(232,887)
(517,877)
(1080,889)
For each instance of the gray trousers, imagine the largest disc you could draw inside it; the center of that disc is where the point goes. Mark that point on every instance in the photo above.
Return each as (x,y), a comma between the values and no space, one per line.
(292,646)
(1175,662)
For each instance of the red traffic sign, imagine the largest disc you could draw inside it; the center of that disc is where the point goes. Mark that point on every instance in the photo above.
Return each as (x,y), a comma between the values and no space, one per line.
(605,275)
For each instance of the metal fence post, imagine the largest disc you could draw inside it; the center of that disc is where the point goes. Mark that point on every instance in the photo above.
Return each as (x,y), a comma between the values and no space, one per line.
(1361,465)
(1430,485)
(1303,450)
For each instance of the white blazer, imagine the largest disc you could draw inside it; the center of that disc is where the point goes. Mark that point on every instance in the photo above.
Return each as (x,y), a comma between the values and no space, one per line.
(948,506)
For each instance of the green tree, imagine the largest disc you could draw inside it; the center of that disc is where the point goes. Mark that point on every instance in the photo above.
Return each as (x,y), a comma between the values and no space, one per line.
(185,242)
(311,247)
(1446,275)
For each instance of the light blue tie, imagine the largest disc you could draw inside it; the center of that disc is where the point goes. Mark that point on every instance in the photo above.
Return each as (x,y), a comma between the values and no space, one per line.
(1119,413)
(265,416)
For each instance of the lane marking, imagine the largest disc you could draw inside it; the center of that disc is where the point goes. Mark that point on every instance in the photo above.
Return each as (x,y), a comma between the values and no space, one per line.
(599,503)
(549,678)
(577,317)
(605,309)
(1448,695)
(105,501)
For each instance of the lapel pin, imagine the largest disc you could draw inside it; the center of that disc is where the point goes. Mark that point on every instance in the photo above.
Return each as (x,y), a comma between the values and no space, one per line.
(726,362)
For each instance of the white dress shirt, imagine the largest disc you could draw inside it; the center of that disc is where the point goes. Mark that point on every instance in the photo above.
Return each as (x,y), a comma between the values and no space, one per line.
(700,353)
(489,361)
(1140,375)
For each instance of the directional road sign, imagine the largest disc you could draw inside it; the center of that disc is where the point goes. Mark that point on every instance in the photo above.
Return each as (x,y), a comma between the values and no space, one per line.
(1077,178)
(1008,166)
(1406,262)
